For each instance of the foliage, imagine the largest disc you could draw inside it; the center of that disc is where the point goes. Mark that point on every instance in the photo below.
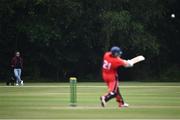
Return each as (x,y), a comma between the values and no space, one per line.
(60,38)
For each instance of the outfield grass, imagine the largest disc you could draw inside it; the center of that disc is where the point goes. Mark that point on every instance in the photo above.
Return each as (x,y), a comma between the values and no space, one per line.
(51,101)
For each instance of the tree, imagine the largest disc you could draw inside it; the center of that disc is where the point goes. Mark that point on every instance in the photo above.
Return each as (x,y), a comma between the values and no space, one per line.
(68,37)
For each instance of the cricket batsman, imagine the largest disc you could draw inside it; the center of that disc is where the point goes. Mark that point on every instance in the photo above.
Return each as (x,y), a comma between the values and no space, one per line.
(111,62)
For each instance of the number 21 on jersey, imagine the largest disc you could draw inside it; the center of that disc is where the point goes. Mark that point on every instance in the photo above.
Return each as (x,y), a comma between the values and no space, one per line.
(106,65)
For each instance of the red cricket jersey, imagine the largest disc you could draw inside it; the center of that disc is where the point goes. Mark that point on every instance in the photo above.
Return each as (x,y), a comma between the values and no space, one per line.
(110,66)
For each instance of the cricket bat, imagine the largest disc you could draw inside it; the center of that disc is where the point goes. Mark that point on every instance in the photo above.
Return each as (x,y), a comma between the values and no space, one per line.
(137,59)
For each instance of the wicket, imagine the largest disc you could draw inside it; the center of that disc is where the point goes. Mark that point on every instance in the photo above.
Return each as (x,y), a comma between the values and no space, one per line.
(73,94)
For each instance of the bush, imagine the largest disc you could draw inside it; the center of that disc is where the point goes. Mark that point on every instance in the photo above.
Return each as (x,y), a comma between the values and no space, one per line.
(171,74)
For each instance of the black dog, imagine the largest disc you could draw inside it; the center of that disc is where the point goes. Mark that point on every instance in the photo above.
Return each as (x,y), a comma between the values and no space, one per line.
(11,79)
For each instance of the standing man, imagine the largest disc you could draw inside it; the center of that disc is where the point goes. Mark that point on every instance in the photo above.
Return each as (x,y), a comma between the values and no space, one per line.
(111,62)
(17,65)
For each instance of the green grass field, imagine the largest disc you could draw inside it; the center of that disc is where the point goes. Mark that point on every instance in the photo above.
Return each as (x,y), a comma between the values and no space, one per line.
(51,101)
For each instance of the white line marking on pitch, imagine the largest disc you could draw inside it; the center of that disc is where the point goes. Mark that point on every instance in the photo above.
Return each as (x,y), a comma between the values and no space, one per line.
(97,86)
(90,119)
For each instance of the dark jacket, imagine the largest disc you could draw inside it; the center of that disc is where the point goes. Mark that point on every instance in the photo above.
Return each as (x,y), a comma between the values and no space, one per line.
(17,62)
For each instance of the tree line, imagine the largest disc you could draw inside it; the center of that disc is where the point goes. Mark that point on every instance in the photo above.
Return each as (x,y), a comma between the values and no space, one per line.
(62,38)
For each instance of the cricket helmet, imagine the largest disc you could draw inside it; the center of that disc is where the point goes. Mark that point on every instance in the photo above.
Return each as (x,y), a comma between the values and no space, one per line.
(116,51)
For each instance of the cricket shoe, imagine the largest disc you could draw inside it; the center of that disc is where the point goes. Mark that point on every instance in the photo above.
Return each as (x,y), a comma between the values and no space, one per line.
(17,84)
(124,105)
(22,83)
(103,102)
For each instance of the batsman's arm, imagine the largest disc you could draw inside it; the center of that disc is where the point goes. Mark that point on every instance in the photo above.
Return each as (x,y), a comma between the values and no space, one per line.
(125,63)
